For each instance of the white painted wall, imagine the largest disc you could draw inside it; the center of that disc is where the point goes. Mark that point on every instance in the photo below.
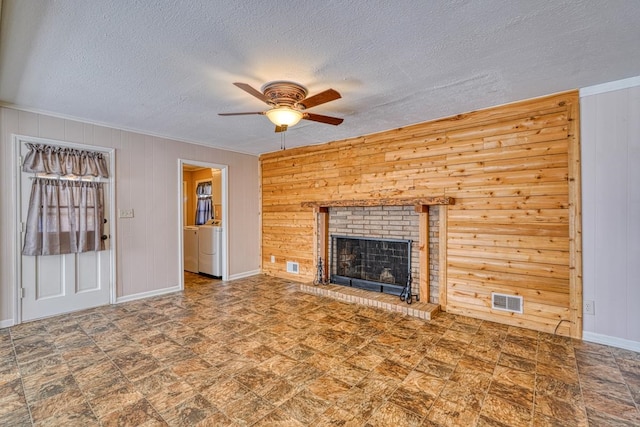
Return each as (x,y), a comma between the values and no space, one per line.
(147,182)
(610,138)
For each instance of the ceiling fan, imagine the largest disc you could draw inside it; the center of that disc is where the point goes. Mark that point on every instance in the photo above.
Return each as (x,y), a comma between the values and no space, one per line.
(289,102)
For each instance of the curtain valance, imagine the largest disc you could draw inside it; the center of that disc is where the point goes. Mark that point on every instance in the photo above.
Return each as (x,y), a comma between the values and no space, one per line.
(50,159)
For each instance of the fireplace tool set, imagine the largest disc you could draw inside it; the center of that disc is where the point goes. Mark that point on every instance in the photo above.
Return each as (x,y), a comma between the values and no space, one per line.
(320,279)
(406,294)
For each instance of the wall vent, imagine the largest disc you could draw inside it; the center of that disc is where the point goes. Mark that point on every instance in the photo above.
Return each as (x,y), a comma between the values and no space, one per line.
(504,302)
(293,267)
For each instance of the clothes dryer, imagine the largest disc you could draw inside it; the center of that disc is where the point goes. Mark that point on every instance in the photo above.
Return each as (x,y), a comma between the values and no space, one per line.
(191,249)
(210,250)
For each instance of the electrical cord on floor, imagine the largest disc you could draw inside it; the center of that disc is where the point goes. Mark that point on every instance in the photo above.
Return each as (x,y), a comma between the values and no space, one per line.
(555,331)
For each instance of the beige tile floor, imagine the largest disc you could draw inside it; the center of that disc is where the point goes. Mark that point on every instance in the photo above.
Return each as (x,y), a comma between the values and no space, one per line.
(259,352)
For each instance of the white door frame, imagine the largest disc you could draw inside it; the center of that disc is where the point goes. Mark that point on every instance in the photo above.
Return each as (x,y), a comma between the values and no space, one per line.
(17,202)
(224,169)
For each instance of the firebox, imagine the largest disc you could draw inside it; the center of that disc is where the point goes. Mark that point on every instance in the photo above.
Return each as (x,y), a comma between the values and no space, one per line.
(375,264)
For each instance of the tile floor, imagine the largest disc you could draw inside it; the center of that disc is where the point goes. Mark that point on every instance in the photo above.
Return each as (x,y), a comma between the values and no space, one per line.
(258,352)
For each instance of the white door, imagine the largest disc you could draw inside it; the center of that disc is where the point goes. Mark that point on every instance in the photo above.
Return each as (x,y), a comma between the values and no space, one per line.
(56,284)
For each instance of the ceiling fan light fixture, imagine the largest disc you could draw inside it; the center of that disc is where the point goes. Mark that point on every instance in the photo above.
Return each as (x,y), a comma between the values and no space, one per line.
(284,116)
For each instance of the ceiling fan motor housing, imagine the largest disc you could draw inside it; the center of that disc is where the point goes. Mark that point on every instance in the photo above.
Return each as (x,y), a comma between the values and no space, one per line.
(284,93)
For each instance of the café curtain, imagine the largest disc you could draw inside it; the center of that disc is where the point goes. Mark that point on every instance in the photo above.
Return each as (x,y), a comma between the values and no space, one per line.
(64,217)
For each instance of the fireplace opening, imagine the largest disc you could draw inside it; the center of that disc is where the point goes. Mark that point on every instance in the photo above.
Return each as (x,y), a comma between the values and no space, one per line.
(375,264)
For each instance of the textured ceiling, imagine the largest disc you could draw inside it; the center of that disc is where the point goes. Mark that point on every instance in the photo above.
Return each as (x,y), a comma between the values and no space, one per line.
(167,67)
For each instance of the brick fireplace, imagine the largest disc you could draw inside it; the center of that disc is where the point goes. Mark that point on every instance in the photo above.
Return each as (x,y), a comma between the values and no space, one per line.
(370,263)
(417,220)
(390,222)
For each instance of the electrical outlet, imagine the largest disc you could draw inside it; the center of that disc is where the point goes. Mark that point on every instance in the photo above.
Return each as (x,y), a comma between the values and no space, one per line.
(273,258)
(125,213)
(293,267)
(589,307)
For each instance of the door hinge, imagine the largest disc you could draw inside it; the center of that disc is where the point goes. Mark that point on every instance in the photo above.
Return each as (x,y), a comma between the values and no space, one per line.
(22,293)
(19,162)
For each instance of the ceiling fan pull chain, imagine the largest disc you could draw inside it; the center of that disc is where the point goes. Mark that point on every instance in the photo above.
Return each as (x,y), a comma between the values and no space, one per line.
(282,141)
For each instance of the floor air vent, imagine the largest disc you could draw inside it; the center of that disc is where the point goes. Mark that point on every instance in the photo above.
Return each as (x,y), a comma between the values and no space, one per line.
(504,302)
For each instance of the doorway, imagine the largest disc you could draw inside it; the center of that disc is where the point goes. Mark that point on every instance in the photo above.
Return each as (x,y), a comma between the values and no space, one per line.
(195,176)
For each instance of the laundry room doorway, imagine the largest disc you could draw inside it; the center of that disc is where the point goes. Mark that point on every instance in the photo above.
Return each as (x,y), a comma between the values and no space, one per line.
(203,214)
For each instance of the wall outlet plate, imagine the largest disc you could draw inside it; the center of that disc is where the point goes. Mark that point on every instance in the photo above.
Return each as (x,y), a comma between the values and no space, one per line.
(589,307)
(293,267)
(125,213)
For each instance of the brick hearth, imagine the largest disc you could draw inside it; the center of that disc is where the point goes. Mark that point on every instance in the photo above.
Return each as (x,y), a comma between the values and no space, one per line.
(421,309)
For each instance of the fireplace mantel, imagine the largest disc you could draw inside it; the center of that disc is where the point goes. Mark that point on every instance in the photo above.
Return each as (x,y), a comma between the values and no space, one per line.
(419,201)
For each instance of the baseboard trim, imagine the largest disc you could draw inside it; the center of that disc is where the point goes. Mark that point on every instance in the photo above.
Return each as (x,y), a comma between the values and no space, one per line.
(243,275)
(6,323)
(612,341)
(149,294)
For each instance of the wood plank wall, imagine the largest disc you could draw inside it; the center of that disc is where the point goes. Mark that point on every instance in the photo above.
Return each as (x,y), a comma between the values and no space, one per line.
(514,173)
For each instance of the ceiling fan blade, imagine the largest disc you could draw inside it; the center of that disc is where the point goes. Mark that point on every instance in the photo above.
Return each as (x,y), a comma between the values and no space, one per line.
(241,114)
(251,91)
(281,128)
(320,98)
(323,119)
